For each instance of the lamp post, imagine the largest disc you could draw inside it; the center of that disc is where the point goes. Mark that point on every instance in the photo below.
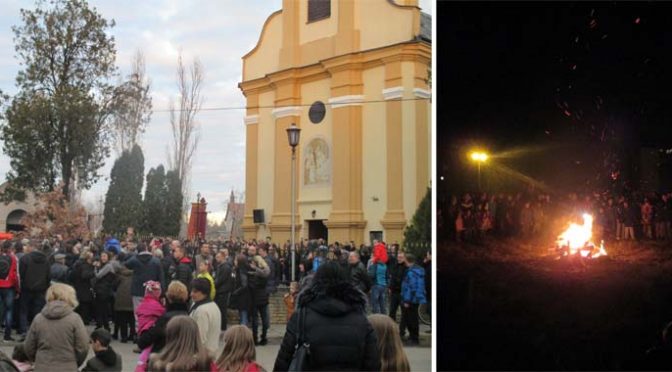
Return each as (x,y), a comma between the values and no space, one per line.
(479,157)
(293,135)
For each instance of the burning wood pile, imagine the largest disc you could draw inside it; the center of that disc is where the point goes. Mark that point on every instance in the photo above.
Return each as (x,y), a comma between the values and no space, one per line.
(576,241)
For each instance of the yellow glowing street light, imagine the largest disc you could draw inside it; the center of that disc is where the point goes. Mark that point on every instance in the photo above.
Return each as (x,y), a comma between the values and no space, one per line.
(479,157)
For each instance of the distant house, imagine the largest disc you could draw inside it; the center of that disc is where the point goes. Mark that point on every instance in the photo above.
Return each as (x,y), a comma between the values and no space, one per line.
(13,212)
(233,220)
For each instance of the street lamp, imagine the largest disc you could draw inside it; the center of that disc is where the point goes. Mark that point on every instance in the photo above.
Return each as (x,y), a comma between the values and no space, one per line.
(293,135)
(479,157)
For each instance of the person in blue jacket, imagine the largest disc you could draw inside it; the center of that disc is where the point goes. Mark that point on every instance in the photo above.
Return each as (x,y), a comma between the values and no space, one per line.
(412,295)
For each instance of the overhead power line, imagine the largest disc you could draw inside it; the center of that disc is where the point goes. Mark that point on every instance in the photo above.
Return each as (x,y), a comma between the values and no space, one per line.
(229,108)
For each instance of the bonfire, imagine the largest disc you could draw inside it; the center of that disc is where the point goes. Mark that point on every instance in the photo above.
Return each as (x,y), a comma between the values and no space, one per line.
(577,239)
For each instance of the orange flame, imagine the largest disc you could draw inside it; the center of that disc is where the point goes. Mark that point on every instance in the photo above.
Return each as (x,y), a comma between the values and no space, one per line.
(577,239)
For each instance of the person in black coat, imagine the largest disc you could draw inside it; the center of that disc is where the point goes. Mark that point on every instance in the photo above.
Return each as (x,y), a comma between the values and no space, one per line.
(357,272)
(224,283)
(182,269)
(82,273)
(257,281)
(176,298)
(340,336)
(241,297)
(397,269)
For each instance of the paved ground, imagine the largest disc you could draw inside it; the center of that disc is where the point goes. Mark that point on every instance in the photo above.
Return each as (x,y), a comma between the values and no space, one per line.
(419,357)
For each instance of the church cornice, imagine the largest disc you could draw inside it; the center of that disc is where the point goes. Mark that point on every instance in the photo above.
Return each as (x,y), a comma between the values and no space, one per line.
(419,51)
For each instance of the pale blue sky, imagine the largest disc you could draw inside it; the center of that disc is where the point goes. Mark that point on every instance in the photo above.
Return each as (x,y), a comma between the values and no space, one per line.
(219,33)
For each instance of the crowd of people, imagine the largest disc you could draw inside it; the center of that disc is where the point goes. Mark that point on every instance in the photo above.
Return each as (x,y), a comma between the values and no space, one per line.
(616,217)
(171,298)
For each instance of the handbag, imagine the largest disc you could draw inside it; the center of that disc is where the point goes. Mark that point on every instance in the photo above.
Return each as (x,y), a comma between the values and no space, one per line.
(302,348)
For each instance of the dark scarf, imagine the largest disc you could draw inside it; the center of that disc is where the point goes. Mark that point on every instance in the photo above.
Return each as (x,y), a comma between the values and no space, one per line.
(199,303)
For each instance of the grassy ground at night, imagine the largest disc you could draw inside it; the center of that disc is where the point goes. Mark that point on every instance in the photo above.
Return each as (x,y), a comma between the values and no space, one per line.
(508,305)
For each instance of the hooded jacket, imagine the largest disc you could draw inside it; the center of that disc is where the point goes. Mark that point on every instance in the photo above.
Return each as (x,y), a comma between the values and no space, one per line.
(34,270)
(105,360)
(340,336)
(57,339)
(145,268)
(148,312)
(413,286)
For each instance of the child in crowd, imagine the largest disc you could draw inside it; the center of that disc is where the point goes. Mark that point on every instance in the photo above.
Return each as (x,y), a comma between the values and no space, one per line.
(106,359)
(204,272)
(20,359)
(390,349)
(239,354)
(148,312)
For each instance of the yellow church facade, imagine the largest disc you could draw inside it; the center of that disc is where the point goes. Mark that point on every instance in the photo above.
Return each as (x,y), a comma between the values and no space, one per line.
(353,75)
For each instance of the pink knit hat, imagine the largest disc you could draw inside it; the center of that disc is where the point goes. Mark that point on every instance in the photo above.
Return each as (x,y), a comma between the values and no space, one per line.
(152,287)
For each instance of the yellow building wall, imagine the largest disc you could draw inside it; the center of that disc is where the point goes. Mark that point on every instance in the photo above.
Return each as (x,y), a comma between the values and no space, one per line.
(314,197)
(374,169)
(312,31)
(383,28)
(266,149)
(265,57)
(408,140)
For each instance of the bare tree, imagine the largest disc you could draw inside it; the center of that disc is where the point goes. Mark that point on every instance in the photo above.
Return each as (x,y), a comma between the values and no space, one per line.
(132,106)
(183,122)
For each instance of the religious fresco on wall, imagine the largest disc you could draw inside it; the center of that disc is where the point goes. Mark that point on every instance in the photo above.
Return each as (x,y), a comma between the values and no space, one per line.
(316,163)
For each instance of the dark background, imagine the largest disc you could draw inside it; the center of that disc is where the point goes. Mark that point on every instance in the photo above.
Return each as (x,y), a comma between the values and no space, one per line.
(568,97)
(507,82)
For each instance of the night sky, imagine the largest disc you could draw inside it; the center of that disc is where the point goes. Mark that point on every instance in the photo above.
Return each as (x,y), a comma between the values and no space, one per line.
(538,74)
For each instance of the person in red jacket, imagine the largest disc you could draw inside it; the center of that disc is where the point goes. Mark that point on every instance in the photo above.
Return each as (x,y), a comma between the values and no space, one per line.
(379,252)
(9,285)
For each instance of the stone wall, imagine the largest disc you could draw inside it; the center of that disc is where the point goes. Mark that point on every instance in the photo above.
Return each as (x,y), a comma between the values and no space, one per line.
(276,307)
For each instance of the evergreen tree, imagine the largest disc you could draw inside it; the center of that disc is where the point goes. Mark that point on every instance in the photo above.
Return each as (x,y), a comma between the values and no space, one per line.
(173,203)
(418,235)
(155,202)
(123,202)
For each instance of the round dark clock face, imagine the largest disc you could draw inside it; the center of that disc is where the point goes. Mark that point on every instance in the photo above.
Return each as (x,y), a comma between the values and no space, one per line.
(317,112)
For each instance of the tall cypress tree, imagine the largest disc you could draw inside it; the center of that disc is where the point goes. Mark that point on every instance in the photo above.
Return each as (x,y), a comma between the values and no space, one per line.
(123,202)
(155,202)
(173,203)
(418,235)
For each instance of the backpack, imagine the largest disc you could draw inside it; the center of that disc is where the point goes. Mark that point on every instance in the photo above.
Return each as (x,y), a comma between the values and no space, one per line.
(5,266)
